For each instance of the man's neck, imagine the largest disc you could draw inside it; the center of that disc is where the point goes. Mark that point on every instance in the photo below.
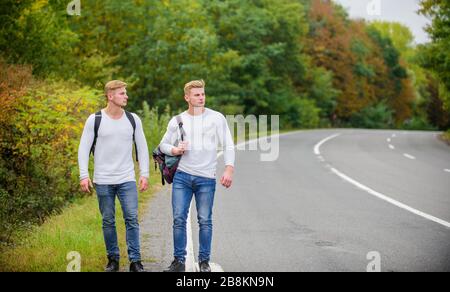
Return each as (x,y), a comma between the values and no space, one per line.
(114,111)
(196,111)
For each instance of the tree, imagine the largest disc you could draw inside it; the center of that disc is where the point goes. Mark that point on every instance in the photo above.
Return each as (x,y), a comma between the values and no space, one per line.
(400,35)
(267,36)
(436,56)
(37,34)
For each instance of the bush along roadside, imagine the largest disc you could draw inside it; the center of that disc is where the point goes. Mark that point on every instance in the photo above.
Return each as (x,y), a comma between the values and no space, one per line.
(71,240)
(39,141)
(446,137)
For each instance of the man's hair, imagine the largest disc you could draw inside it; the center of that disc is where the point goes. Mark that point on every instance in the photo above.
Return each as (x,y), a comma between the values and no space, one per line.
(112,85)
(193,84)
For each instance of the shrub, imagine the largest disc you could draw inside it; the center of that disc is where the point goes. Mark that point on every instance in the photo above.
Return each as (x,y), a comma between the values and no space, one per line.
(417,123)
(155,124)
(303,113)
(378,116)
(39,144)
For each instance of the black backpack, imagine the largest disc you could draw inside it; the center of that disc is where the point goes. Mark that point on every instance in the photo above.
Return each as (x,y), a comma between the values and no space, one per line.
(98,119)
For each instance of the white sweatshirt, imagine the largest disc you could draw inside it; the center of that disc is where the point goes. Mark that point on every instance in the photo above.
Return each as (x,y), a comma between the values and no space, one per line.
(203,133)
(113,159)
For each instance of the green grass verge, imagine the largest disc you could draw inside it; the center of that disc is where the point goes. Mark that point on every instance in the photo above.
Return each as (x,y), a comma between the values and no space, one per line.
(446,137)
(78,228)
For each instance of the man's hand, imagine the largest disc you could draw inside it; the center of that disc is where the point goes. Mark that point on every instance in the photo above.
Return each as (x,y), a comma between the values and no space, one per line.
(85,184)
(143,184)
(227,178)
(182,146)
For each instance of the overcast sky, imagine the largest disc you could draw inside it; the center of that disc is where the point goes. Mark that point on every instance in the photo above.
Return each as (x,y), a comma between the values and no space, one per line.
(403,11)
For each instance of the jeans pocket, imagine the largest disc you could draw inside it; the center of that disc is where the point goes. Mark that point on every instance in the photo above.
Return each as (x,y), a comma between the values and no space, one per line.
(102,190)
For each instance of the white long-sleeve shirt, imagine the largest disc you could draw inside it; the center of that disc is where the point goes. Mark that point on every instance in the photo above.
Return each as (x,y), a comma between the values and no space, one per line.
(204,133)
(113,159)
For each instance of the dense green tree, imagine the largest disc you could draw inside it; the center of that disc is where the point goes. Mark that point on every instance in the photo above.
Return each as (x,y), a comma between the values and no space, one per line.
(437,52)
(436,55)
(179,45)
(37,33)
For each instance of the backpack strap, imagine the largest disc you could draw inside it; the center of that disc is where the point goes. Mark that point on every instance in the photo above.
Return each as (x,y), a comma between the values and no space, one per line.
(180,125)
(98,119)
(133,124)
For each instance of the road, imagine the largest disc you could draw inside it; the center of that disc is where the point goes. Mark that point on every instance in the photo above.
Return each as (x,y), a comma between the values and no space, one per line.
(330,200)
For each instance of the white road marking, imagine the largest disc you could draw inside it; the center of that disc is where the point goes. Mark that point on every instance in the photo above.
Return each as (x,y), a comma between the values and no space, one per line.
(394,135)
(256,140)
(190,261)
(447,170)
(409,156)
(389,140)
(391,146)
(317,147)
(215,267)
(380,195)
(390,200)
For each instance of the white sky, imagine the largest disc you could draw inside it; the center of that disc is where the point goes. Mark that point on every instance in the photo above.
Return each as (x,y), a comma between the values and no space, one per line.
(403,11)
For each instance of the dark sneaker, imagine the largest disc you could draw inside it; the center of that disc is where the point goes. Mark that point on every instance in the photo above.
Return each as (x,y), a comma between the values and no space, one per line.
(176,266)
(204,267)
(113,265)
(137,267)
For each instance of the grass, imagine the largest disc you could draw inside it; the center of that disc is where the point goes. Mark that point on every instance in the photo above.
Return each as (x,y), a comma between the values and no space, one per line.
(446,136)
(77,228)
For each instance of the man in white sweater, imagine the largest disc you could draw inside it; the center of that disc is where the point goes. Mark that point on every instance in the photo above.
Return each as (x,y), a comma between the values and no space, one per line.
(196,173)
(114,170)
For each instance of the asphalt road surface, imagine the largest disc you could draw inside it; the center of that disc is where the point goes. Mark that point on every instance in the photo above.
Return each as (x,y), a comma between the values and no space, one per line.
(334,200)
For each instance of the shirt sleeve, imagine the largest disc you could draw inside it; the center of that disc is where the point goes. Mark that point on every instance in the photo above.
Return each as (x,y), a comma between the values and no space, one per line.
(84,149)
(142,148)
(169,138)
(226,140)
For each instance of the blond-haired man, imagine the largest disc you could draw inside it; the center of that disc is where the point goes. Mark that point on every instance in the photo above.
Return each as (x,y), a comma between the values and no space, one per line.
(109,135)
(204,129)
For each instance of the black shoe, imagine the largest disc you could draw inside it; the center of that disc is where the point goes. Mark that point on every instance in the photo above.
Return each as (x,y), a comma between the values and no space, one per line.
(176,266)
(204,267)
(137,267)
(113,265)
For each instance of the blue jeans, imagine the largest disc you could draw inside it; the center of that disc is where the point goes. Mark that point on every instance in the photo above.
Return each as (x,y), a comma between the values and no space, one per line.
(128,197)
(183,188)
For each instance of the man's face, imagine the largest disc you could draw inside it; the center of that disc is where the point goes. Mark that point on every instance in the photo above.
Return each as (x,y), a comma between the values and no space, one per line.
(196,97)
(118,96)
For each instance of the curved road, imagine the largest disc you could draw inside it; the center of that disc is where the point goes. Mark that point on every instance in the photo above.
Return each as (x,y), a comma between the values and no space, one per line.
(324,207)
